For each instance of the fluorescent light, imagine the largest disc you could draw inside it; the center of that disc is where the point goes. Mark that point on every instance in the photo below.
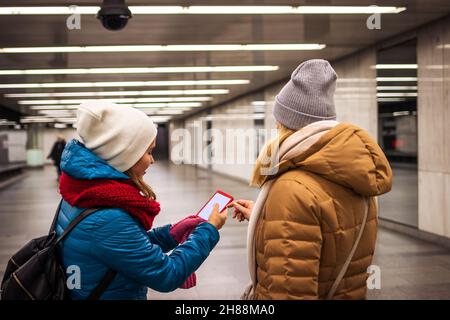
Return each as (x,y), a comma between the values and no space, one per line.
(65,111)
(395,88)
(164,105)
(171,112)
(57,107)
(61,108)
(56,113)
(140,70)
(291,9)
(48,10)
(149,10)
(117,93)
(160,119)
(41,119)
(7,123)
(396,94)
(265,10)
(395,66)
(122,84)
(165,48)
(134,105)
(227,117)
(400,113)
(396,79)
(391,99)
(259,103)
(124,100)
(348,9)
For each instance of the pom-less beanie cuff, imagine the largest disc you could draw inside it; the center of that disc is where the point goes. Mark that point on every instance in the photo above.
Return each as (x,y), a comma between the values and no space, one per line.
(295,119)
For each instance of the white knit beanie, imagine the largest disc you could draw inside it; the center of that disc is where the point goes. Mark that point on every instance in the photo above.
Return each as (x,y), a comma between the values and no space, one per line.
(120,135)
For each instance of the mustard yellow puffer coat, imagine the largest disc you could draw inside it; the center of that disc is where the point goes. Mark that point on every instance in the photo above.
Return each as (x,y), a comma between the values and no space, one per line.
(312,216)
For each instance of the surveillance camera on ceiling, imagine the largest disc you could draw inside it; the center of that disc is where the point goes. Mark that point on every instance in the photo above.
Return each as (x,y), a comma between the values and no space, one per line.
(114,14)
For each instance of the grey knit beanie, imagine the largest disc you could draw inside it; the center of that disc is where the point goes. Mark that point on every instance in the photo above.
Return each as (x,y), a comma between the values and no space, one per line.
(308,96)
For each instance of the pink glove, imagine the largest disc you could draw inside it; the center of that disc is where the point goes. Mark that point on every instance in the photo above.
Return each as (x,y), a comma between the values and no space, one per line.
(183,228)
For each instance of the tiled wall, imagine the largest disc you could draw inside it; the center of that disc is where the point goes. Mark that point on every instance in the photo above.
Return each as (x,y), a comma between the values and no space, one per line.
(12,146)
(235,123)
(434,127)
(356,90)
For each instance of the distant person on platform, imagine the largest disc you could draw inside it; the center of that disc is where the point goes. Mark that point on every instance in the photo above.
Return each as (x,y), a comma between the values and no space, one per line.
(56,153)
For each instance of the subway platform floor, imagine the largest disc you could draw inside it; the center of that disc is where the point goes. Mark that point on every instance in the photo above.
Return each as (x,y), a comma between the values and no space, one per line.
(410,268)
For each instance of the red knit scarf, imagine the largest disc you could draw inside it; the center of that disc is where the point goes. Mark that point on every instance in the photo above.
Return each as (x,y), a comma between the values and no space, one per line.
(123,194)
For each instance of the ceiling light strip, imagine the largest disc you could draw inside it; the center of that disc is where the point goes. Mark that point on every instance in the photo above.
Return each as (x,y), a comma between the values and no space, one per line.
(135,105)
(124,100)
(122,84)
(117,93)
(396,79)
(396,88)
(139,70)
(396,66)
(168,48)
(162,10)
(396,94)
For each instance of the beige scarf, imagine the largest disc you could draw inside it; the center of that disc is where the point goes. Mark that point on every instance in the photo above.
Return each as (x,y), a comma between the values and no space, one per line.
(291,146)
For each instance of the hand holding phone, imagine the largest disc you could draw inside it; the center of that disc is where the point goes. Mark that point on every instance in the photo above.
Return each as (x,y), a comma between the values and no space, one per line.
(211,211)
(218,197)
(216,218)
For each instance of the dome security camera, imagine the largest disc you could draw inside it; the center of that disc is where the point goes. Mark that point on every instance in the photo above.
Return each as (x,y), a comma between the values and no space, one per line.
(114,14)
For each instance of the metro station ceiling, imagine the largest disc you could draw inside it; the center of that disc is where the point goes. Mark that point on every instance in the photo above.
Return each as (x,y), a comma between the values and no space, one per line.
(341,34)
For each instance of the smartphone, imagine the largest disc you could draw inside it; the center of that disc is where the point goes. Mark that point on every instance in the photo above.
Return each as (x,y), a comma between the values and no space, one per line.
(219,197)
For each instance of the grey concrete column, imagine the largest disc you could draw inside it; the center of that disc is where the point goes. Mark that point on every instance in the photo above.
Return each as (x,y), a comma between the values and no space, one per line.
(433,113)
(356,91)
(35,145)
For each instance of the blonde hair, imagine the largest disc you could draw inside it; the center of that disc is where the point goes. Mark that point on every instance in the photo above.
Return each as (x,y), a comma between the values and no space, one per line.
(282,130)
(257,178)
(142,185)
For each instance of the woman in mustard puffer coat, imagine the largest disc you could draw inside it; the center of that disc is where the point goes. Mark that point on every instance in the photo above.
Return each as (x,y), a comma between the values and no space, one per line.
(313,228)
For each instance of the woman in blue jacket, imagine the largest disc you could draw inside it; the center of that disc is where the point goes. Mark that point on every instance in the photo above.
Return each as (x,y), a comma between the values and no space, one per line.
(105,170)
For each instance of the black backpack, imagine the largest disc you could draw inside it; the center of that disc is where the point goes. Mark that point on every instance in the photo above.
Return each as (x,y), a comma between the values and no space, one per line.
(35,272)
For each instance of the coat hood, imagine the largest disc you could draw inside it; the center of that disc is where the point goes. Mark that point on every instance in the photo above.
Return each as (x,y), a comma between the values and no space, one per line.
(81,163)
(348,156)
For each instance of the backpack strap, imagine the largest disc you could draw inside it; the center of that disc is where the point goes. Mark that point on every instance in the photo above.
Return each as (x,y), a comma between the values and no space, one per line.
(352,252)
(76,221)
(55,218)
(109,276)
(102,285)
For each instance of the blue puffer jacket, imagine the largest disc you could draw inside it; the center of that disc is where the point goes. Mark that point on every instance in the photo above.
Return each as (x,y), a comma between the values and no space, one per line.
(111,238)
